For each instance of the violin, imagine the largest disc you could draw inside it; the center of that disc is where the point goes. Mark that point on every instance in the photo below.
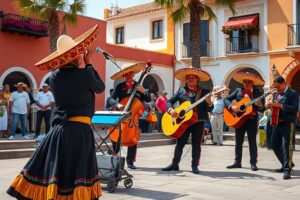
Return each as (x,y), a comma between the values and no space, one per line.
(130,128)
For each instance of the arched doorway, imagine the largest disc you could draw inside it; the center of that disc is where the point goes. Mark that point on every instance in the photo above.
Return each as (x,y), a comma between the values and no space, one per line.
(232,84)
(15,77)
(151,84)
(295,82)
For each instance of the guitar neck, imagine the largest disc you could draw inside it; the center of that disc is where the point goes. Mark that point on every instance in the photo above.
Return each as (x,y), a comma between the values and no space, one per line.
(197,102)
(257,99)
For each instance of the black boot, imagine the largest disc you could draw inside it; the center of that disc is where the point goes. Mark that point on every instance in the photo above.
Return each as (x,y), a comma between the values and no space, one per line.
(254,167)
(286,175)
(195,170)
(130,165)
(172,167)
(234,165)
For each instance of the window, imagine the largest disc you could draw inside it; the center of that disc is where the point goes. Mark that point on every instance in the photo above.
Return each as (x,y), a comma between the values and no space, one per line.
(204,39)
(120,35)
(157,31)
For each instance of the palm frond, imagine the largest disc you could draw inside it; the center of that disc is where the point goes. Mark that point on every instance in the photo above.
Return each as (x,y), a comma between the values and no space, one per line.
(78,6)
(179,14)
(69,18)
(227,3)
(29,8)
(209,13)
(167,3)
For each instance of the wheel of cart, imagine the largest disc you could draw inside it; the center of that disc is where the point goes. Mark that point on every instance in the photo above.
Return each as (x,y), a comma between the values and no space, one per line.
(110,163)
(128,183)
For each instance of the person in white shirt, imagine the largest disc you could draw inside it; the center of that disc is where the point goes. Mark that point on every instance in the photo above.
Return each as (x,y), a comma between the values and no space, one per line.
(19,105)
(217,119)
(44,100)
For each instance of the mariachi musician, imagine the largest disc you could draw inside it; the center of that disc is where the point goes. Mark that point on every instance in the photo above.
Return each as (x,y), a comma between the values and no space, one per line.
(124,90)
(192,91)
(287,102)
(250,125)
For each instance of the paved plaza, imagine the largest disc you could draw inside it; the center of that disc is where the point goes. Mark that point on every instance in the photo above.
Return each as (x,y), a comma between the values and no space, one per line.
(214,182)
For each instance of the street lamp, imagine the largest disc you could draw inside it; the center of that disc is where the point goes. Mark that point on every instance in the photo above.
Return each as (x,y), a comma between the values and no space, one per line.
(274,70)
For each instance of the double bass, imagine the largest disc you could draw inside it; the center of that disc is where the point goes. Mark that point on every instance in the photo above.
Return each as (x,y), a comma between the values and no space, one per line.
(130,128)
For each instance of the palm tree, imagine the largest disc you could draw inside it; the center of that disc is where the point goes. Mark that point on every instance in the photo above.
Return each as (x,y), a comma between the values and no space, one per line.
(197,9)
(48,10)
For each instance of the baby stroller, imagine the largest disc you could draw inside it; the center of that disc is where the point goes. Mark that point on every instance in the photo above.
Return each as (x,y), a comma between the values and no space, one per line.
(110,163)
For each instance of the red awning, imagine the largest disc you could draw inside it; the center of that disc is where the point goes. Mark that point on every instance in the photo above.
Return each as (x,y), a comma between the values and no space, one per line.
(237,22)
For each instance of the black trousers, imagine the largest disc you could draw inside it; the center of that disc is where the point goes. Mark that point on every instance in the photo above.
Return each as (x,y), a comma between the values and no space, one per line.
(197,132)
(282,144)
(131,152)
(40,115)
(251,127)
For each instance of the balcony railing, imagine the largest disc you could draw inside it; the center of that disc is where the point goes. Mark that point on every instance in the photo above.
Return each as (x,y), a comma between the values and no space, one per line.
(242,44)
(187,50)
(24,25)
(293,34)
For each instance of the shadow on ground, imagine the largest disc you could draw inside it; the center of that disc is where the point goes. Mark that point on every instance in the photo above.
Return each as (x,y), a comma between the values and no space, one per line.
(149,194)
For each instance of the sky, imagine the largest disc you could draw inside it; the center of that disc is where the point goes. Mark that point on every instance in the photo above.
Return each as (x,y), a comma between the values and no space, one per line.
(95,8)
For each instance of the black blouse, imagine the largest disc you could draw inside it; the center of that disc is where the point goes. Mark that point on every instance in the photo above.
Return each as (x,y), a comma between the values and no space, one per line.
(74,90)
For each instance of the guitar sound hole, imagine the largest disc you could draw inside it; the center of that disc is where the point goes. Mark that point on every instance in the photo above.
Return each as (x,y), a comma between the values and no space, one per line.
(182,114)
(242,108)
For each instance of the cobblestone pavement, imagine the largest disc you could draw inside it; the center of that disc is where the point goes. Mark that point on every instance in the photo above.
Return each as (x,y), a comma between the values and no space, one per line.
(214,182)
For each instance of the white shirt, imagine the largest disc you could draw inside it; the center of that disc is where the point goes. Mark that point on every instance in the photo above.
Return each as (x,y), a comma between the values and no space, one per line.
(218,106)
(44,99)
(20,101)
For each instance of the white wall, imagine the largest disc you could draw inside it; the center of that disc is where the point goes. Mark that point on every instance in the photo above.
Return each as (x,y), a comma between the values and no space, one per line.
(138,31)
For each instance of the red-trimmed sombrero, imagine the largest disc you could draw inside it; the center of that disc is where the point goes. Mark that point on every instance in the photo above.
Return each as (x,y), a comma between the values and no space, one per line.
(68,49)
(182,73)
(126,68)
(241,76)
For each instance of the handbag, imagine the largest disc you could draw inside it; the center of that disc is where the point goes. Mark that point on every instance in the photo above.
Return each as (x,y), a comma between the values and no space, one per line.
(151,117)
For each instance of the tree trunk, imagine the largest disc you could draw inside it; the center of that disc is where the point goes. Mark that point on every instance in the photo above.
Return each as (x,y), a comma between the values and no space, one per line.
(195,6)
(53,30)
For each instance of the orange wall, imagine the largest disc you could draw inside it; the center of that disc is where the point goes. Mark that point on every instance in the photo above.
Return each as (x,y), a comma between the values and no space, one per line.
(23,51)
(280,14)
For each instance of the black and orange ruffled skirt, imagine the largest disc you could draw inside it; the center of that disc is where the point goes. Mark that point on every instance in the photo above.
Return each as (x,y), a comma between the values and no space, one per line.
(63,167)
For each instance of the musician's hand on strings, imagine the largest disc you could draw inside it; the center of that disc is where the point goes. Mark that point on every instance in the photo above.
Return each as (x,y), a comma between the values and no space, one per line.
(140,88)
(173,113)
(259,104)
(276,104)
(120,106)
(235,109)
(268,105)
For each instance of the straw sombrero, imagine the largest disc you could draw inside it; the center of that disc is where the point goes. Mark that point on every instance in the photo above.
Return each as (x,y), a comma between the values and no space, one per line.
(21,84)
(68,49)
(126,68)
(182,73)
(241,76)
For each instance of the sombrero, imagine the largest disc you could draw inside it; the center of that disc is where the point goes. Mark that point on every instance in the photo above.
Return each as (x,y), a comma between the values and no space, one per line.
(241,76)
(182,73)
(21,84)
(68,49)
(126,68)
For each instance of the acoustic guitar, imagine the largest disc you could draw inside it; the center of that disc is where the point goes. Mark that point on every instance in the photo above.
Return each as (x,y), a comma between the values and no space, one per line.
(236,120)
(175,126)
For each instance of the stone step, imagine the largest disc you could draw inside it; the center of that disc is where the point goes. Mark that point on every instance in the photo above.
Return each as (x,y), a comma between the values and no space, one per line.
(16,144)
(16,153)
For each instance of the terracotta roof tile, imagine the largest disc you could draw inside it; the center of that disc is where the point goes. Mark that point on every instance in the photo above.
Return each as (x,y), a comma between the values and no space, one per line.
(136,10)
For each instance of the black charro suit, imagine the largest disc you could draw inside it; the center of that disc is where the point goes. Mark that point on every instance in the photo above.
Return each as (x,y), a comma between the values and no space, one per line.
(250,126)
(120,93)
(281,141)
(182,95)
